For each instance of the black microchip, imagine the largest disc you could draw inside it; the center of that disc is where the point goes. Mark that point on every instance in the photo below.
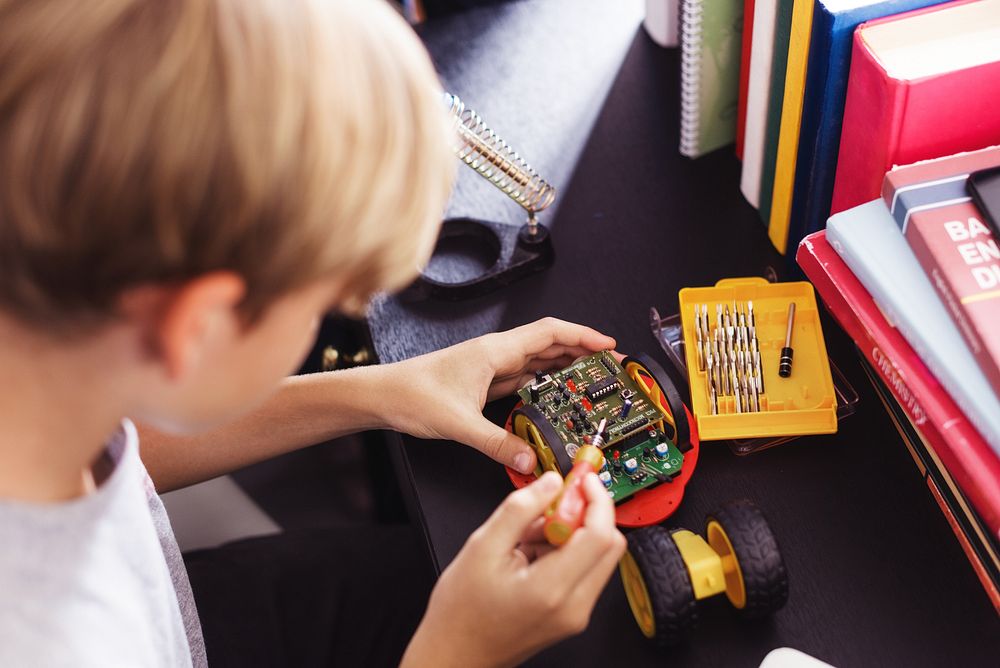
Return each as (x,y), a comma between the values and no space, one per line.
(602,388)
(630,426)
(633,440)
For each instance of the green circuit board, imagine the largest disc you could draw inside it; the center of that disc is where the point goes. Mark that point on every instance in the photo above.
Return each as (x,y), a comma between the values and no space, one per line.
(575,400)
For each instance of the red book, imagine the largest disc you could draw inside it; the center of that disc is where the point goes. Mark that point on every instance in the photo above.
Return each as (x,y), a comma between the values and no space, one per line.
(930,181)
(741,104)
(962,259)
(969,459)
(958,251)
(923,84)
(967,527)
(964,541)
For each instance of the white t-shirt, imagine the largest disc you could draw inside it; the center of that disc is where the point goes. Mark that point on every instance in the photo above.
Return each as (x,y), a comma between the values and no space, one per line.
(99,580)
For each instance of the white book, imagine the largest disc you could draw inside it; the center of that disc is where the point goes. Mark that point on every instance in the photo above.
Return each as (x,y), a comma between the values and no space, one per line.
(761,54)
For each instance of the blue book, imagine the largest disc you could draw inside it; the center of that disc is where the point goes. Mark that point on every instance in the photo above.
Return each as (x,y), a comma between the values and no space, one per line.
(823,101)
(873,247)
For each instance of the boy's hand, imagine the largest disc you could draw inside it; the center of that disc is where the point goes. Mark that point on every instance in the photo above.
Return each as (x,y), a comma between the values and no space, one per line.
(506,596)
(442,394)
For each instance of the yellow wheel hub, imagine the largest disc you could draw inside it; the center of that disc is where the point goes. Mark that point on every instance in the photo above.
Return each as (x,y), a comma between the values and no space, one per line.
(735,589)
(651,389)
(527,430)
(637,594)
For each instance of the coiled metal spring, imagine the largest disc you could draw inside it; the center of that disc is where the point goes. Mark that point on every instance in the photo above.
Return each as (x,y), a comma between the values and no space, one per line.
(481,149)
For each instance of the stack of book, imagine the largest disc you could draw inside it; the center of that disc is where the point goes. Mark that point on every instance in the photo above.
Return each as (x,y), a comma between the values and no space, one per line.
(908,264)
(825,100)
(914,278)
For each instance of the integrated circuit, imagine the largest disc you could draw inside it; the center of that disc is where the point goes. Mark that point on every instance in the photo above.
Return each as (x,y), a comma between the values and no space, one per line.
(602,388)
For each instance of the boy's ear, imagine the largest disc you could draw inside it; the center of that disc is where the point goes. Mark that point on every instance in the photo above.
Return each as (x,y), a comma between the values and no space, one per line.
(182,323)
(200,311)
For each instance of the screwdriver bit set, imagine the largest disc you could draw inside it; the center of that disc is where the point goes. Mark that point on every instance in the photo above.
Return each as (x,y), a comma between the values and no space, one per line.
(728,352)
(739,338)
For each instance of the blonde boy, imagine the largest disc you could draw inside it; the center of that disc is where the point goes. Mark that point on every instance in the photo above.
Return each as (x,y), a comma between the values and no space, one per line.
(185,186)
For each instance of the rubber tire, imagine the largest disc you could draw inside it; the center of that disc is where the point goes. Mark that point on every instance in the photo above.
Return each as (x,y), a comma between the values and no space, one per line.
(549,434)
(671,595)
(764,575)
(682,433)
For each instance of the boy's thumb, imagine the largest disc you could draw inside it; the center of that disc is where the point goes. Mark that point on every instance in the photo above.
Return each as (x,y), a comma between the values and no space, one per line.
(503,446)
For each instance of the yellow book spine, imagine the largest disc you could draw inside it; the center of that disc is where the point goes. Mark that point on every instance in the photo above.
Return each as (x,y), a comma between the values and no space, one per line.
(791,121)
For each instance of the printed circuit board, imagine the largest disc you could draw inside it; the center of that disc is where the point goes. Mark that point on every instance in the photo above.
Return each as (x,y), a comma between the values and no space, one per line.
(574,401)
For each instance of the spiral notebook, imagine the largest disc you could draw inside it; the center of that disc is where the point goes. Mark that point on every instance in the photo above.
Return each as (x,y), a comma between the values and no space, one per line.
(711,41)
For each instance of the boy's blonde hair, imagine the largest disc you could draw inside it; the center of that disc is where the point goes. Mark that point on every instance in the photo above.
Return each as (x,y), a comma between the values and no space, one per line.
(151,141)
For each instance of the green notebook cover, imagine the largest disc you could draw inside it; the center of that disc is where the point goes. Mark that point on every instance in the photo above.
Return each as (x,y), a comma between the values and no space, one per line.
(711,42)
(775,100)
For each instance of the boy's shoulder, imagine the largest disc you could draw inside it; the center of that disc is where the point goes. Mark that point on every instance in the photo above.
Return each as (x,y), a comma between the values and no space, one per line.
(90,572)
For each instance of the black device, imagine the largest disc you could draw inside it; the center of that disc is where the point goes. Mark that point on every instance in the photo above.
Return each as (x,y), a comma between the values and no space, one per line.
(512,252)
(984,188)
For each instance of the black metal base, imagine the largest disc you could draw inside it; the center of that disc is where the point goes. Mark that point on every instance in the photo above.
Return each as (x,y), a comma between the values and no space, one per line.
(516,251)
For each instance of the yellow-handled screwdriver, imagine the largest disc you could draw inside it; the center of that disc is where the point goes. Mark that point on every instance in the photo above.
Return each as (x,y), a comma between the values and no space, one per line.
(565,515)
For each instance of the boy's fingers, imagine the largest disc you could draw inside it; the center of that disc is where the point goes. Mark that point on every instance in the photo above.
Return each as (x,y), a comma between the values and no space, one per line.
(506,526)
(506,385)
(533,551)
(600,513)
(566,568)
(558,351)
(499,444)
(598,535)
(586,591)
(590,544)
(535,533)
(540,335)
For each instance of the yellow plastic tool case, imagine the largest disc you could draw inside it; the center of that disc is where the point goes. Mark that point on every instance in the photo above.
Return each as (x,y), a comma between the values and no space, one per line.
(804,403)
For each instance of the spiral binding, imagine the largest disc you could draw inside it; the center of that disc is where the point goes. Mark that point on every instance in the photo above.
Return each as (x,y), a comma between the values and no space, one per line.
(691,16)
(480,148)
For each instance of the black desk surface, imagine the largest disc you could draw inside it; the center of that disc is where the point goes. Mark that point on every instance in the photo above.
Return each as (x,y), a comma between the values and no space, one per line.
(876,576)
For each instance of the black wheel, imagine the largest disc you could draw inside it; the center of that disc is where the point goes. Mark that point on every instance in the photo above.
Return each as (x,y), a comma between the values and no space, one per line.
(641,366)
(530,424)
(756,579)
(658,586)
